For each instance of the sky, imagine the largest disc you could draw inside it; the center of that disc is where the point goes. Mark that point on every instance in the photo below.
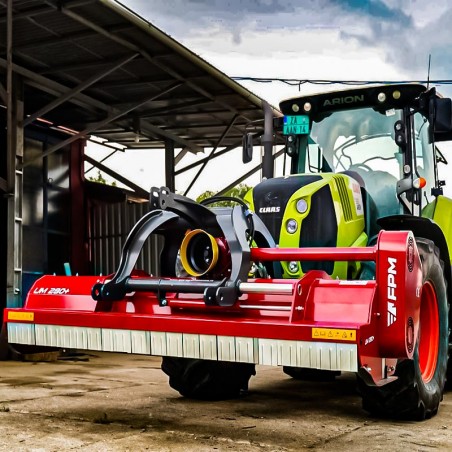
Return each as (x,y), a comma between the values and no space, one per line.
(305,39)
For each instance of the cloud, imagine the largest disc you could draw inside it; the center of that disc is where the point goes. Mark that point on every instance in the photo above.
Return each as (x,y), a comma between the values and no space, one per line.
(235,16)
(376,9)
(408,42)
(402,32)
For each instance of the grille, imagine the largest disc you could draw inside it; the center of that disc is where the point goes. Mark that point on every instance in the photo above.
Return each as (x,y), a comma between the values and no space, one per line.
(276,193)
(319,228)
(345,201)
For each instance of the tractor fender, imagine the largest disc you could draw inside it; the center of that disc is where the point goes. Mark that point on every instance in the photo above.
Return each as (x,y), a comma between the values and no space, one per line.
(426,228)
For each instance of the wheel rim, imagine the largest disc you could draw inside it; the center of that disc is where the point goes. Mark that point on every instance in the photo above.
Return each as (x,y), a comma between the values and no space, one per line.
(428,332)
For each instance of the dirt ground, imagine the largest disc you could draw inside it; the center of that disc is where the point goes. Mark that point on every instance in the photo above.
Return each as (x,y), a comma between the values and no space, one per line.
(113,402)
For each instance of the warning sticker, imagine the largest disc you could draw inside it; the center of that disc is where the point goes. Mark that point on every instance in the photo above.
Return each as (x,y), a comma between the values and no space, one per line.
(333,334)
(357,198)
(26,316)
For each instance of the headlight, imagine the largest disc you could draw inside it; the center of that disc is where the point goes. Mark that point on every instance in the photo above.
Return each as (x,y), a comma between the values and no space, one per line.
(302,206)
(291,226)
(381,97)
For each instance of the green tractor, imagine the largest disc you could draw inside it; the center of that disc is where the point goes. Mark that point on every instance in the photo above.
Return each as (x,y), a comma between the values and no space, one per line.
(363,160)
(344,268)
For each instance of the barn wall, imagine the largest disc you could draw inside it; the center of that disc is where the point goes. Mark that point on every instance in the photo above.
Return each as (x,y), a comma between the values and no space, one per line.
(46,214)
(109,227)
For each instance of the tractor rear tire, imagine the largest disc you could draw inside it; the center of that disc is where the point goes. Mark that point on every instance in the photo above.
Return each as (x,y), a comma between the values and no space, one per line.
(418,390)
(206,379)
(307,374)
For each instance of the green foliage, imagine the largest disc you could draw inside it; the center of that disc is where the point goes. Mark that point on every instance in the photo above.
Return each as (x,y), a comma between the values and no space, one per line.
(237,192)
(100,179)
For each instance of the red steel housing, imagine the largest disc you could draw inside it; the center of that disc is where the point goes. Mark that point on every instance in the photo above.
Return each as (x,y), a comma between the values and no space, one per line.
(380,316)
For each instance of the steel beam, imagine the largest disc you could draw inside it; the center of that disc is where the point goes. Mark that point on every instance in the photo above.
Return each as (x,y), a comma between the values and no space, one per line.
(102,160)
(106,144)
(71,37)
(147,127)
(3,95)
(193,113)
(83,64)
(212,152)
(215,155)
(109,130)
(88,102)
(169,165)
(177,107)
(82,86)
(117,114)
(182,126)
(40,10)
(137,81)
(205,159)
(138,190)
(179,157)
(33,11)
(55,88)
(245,176)
(126,43)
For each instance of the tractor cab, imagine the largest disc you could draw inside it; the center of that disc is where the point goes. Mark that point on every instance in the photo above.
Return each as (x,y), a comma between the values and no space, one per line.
(381,136)
(357,156)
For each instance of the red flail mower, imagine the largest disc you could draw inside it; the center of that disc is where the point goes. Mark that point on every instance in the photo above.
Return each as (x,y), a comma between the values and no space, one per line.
(214,327)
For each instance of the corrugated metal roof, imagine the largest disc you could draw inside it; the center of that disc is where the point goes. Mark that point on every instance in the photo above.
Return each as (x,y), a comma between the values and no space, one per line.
(139,77)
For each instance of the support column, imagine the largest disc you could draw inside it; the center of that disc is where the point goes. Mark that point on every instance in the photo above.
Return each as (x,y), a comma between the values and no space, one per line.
(170,179)
(79,229)
(15,194)
(14,159)
(268,163)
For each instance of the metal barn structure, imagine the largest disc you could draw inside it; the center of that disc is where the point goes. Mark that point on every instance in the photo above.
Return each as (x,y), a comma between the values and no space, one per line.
(70,69)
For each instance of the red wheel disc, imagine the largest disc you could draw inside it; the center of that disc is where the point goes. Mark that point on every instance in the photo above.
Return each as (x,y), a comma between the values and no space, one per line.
(428,332)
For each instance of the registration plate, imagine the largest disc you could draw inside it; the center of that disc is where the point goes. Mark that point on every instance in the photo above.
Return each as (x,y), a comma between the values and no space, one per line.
(296,125)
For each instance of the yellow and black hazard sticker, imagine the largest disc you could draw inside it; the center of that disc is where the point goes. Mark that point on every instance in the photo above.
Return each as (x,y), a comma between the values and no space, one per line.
(20,315)
(333,334)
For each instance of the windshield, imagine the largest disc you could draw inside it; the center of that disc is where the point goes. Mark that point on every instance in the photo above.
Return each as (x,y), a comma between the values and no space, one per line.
(359,140)
(360,143)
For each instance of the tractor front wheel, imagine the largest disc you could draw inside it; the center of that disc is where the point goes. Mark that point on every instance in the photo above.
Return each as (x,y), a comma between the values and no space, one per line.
(418,390)
(208,380)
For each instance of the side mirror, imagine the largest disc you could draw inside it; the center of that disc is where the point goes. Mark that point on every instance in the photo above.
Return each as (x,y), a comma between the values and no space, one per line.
(443,115)
(441,118)
(247,147)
